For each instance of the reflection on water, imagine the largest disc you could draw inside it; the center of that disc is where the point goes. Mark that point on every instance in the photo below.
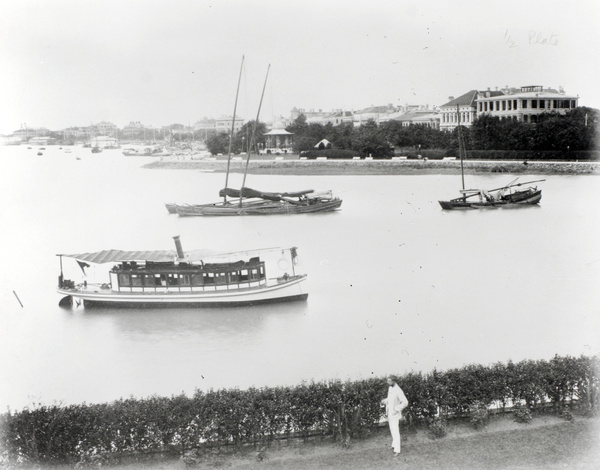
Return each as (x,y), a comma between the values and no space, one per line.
(234,324)
(395,283)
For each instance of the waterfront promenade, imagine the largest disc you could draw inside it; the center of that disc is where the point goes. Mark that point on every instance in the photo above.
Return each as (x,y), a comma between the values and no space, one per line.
(292,165)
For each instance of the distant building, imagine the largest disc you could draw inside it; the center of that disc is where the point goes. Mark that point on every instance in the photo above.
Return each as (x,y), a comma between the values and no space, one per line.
(376,113)
(525,104)
(104,142)
(224,123)
(76,133)
(416,115)
(462,109)
(134,130)
(104,128)
(26,133)
(335,117)
(42,140)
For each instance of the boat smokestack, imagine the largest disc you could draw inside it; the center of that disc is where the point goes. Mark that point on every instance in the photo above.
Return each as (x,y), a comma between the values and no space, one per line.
(180,254)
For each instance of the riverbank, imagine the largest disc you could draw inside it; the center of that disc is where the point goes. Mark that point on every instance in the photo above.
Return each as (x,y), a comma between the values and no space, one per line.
(294,166)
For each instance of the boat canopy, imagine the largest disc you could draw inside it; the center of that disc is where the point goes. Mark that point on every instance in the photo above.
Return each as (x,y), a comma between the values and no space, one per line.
(112,256)
(249,192)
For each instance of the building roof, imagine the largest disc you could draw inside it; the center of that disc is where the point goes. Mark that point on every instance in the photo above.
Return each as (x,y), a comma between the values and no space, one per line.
(278,132)
(468,99)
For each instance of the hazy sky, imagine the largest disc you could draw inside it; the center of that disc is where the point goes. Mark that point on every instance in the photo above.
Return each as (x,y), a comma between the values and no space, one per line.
(78,62)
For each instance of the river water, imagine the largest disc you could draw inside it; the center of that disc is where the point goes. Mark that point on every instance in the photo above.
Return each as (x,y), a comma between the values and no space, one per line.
(395,283)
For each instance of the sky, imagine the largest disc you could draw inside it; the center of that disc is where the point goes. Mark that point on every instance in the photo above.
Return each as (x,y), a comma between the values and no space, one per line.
(78,62)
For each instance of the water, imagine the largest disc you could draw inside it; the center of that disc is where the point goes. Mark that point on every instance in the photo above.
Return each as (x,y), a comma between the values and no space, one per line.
(396,284)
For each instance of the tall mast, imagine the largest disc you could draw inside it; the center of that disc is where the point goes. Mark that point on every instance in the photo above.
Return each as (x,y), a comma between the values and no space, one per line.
(253,131)
(460,148)
(232,130)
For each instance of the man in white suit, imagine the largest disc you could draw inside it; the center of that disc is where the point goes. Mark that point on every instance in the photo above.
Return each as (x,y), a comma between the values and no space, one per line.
(394,404)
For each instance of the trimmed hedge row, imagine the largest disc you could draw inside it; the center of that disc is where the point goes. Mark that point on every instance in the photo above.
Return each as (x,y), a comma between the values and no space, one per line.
(516,155)
(438,154)
(78,433)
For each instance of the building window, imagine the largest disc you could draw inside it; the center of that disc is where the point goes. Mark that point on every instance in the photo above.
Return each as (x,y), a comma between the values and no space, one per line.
(534,104)
(524,104)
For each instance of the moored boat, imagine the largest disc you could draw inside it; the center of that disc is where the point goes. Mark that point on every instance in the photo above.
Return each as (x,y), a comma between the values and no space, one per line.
(197,278)
(146,152)
(252,202)
(505,196)
(499,197)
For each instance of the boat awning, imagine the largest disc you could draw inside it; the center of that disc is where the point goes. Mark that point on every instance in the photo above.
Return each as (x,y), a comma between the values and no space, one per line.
(112,256)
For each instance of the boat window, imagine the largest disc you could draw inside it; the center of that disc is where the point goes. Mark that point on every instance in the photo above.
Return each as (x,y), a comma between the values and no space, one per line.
(151,280)
(197,279)
(234,277)
(184,279)
(244,275)
(220,278)
(209,278)
(136,280)
(254,274)
(173,279)
(124,280)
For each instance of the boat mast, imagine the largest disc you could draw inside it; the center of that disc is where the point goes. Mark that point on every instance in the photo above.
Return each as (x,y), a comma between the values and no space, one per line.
(253,134)
(232,130)
(460,148)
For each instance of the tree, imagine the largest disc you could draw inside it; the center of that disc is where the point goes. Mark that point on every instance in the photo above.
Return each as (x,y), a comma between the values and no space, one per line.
(251,131)
(218,143)
(371,141)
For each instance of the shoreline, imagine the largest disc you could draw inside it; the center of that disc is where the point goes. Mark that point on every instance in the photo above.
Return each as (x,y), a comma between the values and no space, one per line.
(378,167)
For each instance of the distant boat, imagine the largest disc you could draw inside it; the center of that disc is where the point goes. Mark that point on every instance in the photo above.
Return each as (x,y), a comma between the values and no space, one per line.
(96,150)
(174,278)
(147,152)
(505,196)
(498,197)
(253,202)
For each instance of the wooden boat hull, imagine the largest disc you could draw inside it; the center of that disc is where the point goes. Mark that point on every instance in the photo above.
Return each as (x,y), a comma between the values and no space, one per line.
(256,208)
(520,198)
(282,291)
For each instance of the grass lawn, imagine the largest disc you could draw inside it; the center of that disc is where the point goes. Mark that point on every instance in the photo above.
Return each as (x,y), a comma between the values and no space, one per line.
(546,443)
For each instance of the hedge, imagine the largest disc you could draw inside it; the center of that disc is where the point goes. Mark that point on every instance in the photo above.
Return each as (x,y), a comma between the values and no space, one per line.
(78,433)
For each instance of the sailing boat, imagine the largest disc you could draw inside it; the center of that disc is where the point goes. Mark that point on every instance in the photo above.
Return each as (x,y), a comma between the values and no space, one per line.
(509,195)
(252,202)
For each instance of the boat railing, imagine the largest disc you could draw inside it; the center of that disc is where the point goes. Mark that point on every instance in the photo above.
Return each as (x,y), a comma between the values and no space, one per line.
(191,289)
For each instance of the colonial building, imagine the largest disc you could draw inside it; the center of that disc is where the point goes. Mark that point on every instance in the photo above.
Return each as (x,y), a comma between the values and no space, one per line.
(375,113)
(104,128)
(134,130)
(417,116)
(223,124)
(462,109)
(525,104)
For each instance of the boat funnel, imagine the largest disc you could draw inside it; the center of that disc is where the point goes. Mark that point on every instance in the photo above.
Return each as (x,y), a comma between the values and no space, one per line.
(180,254)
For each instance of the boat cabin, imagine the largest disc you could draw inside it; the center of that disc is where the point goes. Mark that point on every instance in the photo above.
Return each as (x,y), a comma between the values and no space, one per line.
(151,276)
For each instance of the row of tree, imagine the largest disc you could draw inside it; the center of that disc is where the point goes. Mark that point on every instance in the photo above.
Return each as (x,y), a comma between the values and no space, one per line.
(574,131)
